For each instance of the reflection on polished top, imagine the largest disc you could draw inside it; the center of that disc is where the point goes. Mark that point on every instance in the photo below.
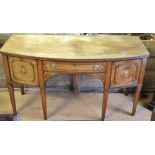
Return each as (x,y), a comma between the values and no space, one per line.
(75,47)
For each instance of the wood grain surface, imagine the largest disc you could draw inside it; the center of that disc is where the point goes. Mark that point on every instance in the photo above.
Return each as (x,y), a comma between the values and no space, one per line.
(73,47)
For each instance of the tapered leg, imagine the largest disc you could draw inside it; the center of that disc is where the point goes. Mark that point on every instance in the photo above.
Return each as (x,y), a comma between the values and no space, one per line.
(76,80)
(9,84)
(22,89)
(138,89)
(126,91)
(137,94)
(42,88)
(104,105)
(106,85)
(12,97)
(43,98)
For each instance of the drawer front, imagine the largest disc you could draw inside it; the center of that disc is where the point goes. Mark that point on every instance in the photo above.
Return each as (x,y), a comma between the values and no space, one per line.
(125,73)
(23,70)
(74,67)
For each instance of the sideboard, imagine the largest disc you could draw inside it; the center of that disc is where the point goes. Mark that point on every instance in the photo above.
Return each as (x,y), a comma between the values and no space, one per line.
(119,61)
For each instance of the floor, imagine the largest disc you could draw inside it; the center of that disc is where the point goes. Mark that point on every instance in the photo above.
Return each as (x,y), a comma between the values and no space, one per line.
(74,106)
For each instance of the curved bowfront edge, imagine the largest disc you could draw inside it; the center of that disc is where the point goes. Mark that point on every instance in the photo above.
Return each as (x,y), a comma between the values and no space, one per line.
(75,48)
(119,61)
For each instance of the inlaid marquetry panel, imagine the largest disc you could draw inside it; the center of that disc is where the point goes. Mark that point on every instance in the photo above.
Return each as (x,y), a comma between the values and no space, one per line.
(23,70)
(48,75)
(125,73)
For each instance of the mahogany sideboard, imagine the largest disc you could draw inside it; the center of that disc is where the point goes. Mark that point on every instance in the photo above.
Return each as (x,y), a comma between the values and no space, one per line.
(118,60)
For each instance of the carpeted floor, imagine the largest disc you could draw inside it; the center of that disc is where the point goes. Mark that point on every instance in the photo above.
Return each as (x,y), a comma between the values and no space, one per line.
(74,106)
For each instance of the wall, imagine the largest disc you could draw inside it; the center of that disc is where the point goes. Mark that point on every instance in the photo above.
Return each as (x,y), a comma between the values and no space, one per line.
(149,80)
(3,39)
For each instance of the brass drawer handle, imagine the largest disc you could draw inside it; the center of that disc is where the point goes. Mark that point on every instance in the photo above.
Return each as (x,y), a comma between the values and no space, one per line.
(126,73)
(96,67)
(23,71)
(53,66)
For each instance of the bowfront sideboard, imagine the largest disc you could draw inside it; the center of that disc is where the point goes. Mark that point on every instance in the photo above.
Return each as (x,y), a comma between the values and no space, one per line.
(119,61)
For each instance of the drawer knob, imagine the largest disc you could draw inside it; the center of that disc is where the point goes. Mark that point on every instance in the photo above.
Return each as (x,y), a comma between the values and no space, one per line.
(53,66)
(96,67)
(23,71)
(126,73)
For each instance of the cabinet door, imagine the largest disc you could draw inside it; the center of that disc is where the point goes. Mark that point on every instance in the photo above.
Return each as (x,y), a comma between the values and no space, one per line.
(23,70)
(125,73)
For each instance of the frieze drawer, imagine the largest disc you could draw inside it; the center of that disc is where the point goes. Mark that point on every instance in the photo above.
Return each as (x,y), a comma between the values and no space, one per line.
(78,67)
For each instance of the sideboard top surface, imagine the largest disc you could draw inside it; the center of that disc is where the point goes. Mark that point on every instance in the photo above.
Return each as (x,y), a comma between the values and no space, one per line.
(74,47)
